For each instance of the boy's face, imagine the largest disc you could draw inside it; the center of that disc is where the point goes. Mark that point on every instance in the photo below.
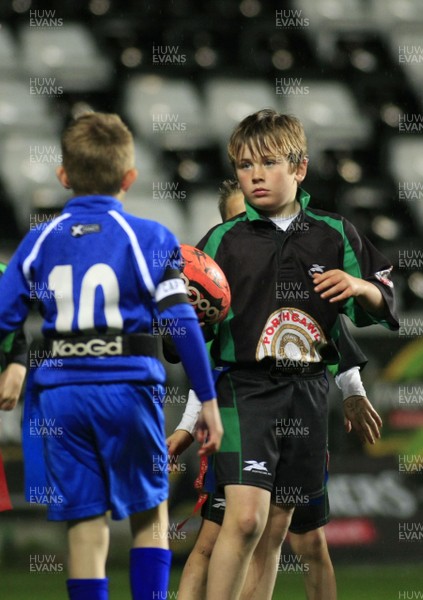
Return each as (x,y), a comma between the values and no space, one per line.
(269,183)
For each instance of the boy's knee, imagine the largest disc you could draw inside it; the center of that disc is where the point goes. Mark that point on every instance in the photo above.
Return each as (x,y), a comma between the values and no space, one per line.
(310,545)
(249,524)
(93,533)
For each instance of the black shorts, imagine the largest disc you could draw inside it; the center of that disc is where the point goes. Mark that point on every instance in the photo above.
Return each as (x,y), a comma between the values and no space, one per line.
(304,519)
(275,434)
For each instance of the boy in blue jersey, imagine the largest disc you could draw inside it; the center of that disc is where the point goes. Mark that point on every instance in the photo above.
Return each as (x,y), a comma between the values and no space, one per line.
(103,297)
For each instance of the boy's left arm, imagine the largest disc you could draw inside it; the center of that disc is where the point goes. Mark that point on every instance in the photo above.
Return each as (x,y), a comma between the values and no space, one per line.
(359,414)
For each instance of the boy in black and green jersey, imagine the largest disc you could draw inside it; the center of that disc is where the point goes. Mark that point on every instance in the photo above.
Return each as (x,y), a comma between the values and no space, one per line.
(307,537)
(291,270)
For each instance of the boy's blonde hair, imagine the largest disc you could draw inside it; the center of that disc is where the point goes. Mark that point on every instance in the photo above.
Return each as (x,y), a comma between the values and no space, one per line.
(269,133)
(97,150)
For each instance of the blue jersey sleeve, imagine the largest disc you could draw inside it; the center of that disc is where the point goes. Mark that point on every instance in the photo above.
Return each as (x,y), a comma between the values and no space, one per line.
(189,341)
(176,316)
(15,293)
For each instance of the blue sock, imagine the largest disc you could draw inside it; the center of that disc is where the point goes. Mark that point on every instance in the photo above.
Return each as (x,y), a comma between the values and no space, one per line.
(88,589)
(149,573)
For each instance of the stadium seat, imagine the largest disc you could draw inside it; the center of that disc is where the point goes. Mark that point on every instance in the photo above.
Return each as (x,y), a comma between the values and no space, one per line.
(9,65)
(28,172)
(166,113)
(68,55)
(159,204)
(407,51)
(148,165)
(405,158)
(329,114)
(327,21)
(398,14)
(21,110)
(154,195)
(203,214)
(230,100)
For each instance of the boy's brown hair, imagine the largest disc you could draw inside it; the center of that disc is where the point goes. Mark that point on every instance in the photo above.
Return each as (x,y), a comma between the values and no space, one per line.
(228,187)
(269,133)
(97,150)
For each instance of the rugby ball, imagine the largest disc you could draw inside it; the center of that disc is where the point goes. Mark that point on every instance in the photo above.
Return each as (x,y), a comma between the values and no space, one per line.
(207,286)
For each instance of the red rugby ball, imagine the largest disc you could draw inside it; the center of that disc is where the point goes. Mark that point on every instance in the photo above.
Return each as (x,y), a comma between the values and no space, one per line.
(207,286)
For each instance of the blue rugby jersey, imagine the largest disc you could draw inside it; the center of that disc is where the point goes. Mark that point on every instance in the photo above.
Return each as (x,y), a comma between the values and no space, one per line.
(94,270)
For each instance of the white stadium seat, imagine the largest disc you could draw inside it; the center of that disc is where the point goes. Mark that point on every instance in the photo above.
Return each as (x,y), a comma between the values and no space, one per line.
(28,172)
(330,115)
(68,54)
(167,113)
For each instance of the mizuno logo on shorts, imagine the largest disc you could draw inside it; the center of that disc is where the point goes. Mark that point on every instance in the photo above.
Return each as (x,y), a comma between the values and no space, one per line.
(94,347)
(256,467)
(220,503)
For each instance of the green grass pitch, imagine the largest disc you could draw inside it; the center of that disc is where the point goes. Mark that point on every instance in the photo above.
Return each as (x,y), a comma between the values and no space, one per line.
(373,582)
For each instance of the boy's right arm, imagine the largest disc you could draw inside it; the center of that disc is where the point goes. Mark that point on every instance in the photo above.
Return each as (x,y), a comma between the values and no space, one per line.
(192,350)
(209,428)
(183,436)
(337,286)
(364,285)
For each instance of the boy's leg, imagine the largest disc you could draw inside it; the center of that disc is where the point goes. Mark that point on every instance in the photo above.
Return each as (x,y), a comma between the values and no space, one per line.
(88,541)
(308,541)
(150,554)
(320,582)
(263,567)
(247,508)
(193,583)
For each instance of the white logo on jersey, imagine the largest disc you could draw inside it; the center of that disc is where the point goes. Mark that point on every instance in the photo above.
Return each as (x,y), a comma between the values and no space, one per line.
(315,268)
(255,466)
(80,229)
(220,503)
(94,347)
(384,277)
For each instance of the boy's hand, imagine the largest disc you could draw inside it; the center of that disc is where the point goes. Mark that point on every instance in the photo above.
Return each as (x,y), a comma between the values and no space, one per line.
(209,426)
(360,415)
(338,285)
(11,382)
(178,442)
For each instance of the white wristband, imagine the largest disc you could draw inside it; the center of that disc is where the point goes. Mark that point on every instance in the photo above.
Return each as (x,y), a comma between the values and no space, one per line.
(191,412)
(350,383)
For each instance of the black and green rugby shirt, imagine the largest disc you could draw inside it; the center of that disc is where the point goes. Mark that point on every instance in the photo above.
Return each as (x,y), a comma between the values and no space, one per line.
(275,311)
